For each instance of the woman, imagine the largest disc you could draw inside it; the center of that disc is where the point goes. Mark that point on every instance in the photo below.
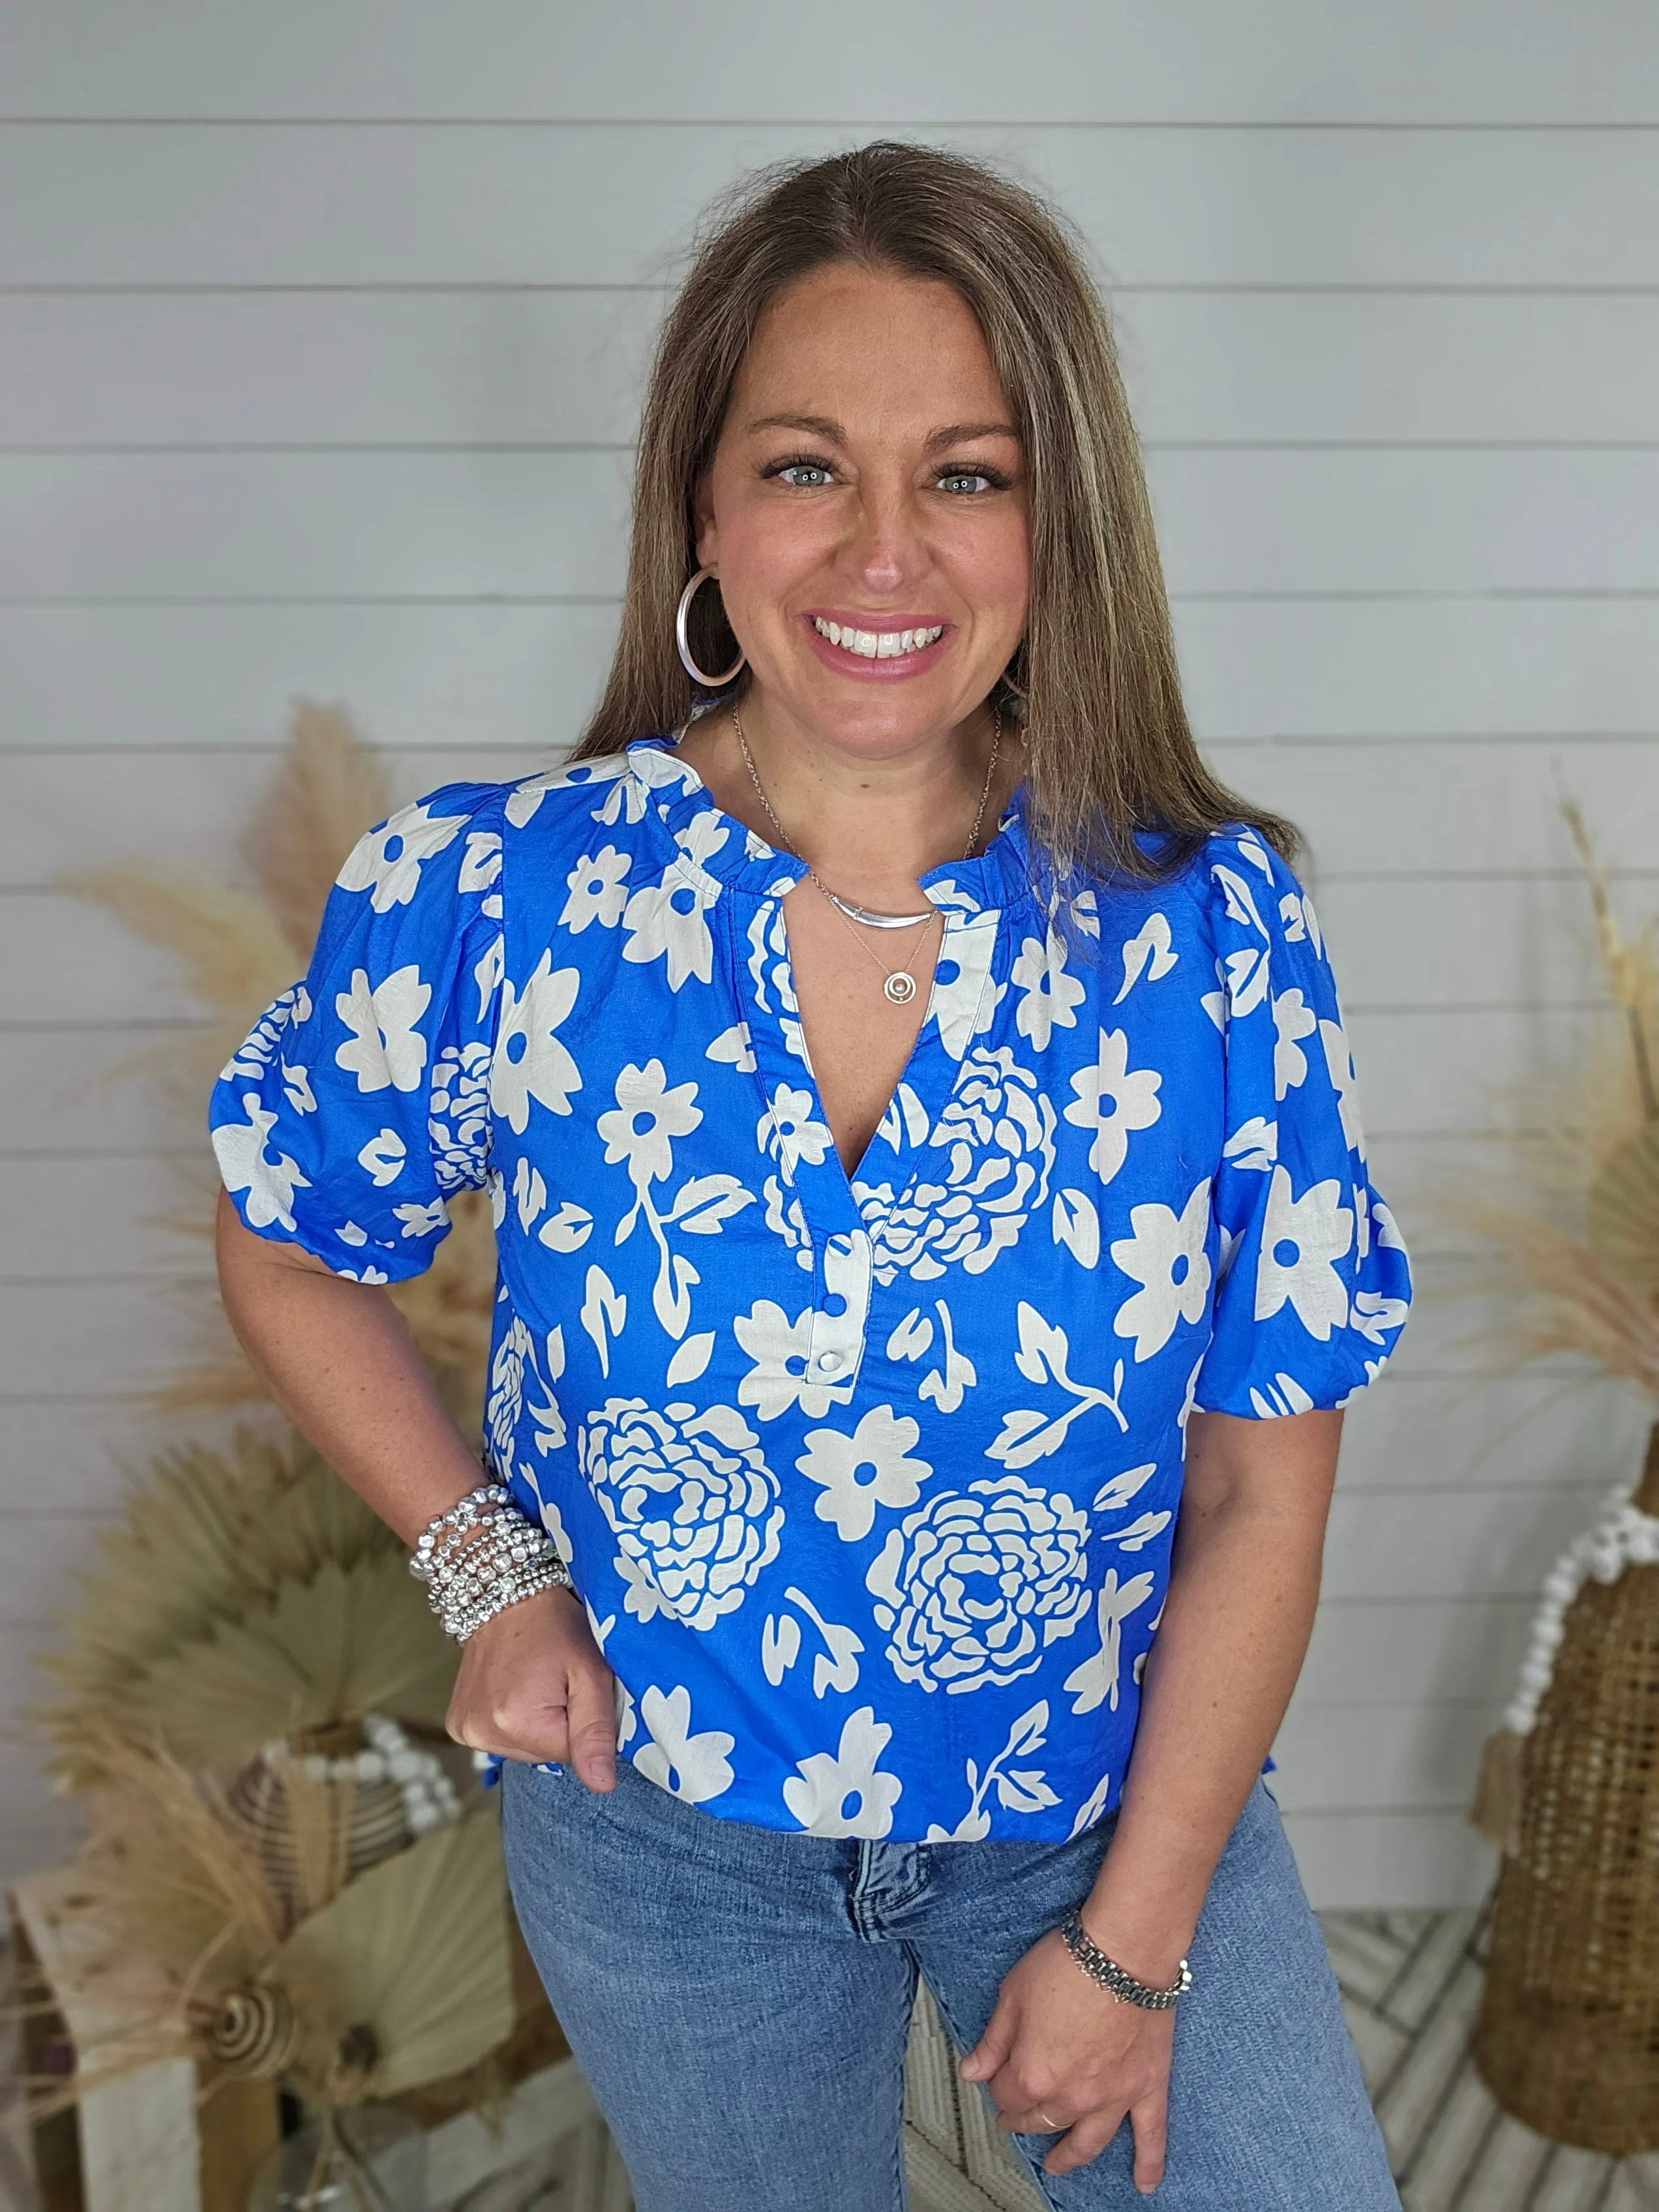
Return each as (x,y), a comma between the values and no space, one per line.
(925,1152)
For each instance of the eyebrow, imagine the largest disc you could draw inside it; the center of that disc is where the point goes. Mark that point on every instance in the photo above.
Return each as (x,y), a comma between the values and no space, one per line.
(823,426)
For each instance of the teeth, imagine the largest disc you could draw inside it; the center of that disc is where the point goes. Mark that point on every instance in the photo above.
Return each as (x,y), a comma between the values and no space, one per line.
(878,645)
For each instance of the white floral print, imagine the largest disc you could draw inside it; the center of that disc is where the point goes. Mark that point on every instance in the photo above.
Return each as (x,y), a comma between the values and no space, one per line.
(270,1184)
(789,1131)
(1047,995)
(834,1667)
(1097,1680)
(1044,1356)
(689,1498)
(781,1375)
(1148,953)
(1018,1790)
(975,1586)
(694,1767)
(1338,1062)
(867,1480)
(382,1157)
(668,921)
(869,1468)
(1292,1021)
(1165,1255)
(386,1048)
(842,1793)
(596,888)
(1302,1241)
(529,1061)
(994,1142)
(1112,1100)
(387,862)
(458,1116)
(647,1117)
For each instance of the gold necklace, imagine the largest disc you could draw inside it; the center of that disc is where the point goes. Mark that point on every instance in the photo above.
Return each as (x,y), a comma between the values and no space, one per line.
(898,984)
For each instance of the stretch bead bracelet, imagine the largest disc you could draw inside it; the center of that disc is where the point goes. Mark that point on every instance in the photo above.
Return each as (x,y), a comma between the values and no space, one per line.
(1110,1976)
(482,1556)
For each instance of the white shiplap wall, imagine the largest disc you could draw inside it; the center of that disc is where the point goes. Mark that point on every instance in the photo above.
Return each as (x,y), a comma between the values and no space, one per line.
(321,330)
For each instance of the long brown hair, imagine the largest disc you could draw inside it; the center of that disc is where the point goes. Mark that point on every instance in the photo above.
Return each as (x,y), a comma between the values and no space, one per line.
(1109,754)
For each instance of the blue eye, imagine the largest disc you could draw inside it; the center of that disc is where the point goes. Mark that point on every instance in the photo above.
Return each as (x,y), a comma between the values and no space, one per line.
(804,476)
(966,481)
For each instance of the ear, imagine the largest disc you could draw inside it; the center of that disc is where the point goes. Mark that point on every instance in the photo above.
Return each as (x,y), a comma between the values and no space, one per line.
(702,513)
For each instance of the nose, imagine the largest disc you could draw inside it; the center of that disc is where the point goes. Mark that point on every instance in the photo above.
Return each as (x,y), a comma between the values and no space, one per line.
(887,552)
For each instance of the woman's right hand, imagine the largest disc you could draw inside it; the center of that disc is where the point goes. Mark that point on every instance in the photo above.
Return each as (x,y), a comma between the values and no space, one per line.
(533,1686)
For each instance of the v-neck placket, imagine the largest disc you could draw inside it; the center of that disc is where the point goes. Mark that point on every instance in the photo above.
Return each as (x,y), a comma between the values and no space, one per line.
(813,1197)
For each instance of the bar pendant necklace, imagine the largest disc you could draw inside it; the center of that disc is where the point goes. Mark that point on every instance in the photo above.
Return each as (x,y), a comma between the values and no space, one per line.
(899,984)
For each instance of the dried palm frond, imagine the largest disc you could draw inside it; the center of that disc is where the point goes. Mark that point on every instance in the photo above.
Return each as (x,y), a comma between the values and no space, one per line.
(407,1977)
(400,1977)
(246,1595)
(328,790)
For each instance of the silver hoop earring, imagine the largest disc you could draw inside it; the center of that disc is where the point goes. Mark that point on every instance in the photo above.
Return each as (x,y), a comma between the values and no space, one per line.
(708,682)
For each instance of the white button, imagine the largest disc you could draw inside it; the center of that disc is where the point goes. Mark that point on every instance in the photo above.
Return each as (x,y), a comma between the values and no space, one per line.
(829,1361)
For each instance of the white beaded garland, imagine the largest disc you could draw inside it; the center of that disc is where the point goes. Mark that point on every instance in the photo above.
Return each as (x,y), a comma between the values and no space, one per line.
(1623,1537)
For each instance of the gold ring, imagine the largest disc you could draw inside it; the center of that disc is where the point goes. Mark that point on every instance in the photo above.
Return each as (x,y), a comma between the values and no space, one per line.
(1055,2128)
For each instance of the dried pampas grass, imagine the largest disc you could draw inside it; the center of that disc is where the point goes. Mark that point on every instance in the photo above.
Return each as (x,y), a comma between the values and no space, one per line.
(239,948)
(1568,1249)
(329,789)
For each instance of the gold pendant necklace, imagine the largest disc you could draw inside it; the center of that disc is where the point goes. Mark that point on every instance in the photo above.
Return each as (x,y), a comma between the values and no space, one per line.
(899,985)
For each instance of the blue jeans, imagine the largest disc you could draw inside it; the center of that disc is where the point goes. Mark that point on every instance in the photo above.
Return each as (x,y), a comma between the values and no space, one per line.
(739,2001)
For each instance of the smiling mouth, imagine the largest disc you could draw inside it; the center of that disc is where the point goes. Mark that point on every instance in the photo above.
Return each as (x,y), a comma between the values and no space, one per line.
(877,644)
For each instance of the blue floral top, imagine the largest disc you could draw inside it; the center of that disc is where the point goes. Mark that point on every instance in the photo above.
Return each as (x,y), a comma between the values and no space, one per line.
(868,1484)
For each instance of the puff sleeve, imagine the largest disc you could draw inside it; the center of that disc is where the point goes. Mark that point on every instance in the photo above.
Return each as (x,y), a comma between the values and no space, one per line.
(1313,1280)
(360,1100)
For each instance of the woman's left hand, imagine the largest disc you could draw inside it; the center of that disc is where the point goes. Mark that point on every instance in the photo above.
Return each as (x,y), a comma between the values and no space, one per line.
(1061,2056)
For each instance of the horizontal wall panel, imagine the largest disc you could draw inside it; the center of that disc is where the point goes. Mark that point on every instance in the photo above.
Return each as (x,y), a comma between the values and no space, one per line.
(1383,806)
(1388,1859)
(38,1562)
(515,525)
(450,675)
(79,1340)
(1330,1758)
(226,676)
(65,1457)
(1521,1433)
(511,367)
(315,526)
(579,202)
(1327,671)
(1388,366)
(96,1088)
(1449,1071)
(1491,1542)
(69,1219)
(1055,59)
(1402,1650)
(1445,941)
(61,814)
(1467,941)
(1371,807)
(327,369)
(72,961)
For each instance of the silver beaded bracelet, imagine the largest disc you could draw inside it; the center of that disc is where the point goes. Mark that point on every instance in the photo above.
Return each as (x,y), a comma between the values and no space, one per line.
(482,1556)
(1110,1976)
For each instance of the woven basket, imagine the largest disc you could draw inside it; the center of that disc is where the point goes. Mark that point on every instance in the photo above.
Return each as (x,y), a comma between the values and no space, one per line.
(1568,2036)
